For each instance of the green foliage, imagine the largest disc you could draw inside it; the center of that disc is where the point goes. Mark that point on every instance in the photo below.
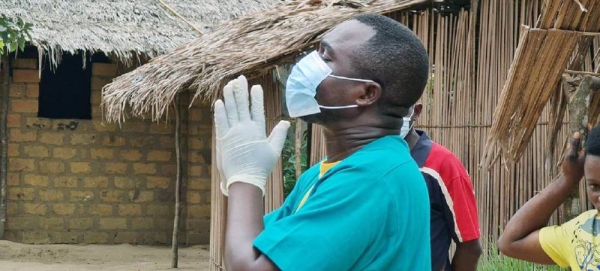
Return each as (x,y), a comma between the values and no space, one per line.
(493,261)
(13,34)
(289,163)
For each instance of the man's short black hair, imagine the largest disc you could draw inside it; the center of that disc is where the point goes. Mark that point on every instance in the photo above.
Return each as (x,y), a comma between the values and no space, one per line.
(395,58)
(592,145)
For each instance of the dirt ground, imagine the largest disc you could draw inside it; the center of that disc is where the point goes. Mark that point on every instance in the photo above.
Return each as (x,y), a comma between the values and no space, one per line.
(15,256)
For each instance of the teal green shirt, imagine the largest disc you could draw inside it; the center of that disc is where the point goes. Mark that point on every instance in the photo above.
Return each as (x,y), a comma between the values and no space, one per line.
(369,212)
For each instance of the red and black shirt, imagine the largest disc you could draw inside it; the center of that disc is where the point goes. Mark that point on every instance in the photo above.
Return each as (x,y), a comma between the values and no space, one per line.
(452,199)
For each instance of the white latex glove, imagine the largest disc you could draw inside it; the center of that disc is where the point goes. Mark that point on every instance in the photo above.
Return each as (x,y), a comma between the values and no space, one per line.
(244,153)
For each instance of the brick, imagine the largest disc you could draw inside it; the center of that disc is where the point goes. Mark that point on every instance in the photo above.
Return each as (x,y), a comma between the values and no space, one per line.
(52,138)
(81,195)
(64,237)
(99,82)
(51,195)
(199,211)
(196,143)
(17,136)
(19,164)
(140,142)
(33,91)
(18,193)
(95,182)
(195,114)
(83,139)
(17,90)
(63,181)
(161,129)
(196,157)
(113,141)
(63,209)
(52,167)
(142,223)
(195,170)
(163,224)
(36,151)
(13,120)
(135,127)
(66,125)
(25,63)
(81,223)
(144,168)
(199,184)
(80,167)
(21,223)
(102,153)
(158,210)
(104,69)
(113,223)
(116,168)
(52,223)
(198,225)
(100,126)
(24,106)
(96,97)
(129,209)
(193,197)
(198,238)
(13,150)
(167,142)
(64,153)
(126,238)
(36,237)
(95,238)
(159,156)
(101,209)
(111,196)
(40,123)
(157,182)
(35,208)
(124,182)
(35,180)
(12,209)
(131,155)
(144,196)
(14,179)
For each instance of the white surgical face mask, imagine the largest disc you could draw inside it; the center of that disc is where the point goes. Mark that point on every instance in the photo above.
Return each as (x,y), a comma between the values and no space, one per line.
(302,83)
(406,125)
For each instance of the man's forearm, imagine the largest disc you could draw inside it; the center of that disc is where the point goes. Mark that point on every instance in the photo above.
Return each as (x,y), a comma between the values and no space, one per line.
(466,256)
(536,212)
(244,222)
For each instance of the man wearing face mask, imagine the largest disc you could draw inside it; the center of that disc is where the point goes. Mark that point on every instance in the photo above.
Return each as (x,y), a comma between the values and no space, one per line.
(453,205)
(365,206)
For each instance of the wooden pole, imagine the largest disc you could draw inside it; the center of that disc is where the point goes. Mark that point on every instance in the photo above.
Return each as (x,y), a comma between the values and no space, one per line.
(578,114)
(4,140)
(298,138)
(175,241)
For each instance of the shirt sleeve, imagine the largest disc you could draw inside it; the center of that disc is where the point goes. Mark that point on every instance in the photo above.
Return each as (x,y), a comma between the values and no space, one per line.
(329,232)
(555,241)
(461,205)
(286,208)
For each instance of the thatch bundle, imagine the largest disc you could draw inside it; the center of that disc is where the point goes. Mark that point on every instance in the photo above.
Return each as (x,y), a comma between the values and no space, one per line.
(126,29)
(254,44)
(542,56)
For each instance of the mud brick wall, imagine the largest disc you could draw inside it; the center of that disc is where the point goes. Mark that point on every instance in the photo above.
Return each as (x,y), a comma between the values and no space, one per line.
(87,181)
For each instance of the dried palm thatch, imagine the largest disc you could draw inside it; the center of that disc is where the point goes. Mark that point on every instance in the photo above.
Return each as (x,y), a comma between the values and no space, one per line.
(541,58)
(126,29)
(251,44)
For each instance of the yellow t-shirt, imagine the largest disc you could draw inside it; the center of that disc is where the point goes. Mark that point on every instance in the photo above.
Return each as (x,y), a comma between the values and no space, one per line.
(574,244)
(323,168)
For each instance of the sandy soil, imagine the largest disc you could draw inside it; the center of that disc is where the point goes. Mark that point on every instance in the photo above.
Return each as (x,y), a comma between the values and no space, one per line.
(15,256)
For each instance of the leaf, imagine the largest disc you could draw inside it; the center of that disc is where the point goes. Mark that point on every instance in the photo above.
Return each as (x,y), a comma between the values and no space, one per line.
(12,47)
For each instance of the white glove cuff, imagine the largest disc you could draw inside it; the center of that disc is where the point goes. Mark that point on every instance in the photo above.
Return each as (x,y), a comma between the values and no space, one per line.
(253,180)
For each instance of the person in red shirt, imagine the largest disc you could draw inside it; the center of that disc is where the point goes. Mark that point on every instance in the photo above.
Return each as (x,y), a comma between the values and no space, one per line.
(453,205)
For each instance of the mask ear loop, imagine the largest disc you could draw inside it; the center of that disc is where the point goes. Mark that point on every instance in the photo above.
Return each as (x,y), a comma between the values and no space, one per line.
(412,112)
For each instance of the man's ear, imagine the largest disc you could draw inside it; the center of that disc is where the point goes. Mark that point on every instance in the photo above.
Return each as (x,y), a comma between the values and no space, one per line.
(417,111)
(370,94)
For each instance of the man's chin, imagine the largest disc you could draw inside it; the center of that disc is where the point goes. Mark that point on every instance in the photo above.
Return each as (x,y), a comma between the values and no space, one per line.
(314,118)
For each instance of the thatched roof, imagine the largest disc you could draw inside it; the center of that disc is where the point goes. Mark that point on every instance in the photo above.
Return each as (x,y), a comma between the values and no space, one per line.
(250,44)
(126,29)
(557,43)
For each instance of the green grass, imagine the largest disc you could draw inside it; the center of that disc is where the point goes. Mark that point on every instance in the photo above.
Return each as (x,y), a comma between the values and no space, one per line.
(492,261)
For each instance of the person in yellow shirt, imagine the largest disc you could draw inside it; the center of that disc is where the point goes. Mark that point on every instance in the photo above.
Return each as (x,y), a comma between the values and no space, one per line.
(574,244)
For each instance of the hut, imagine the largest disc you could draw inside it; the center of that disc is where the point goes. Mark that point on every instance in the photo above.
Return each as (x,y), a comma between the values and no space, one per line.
(67,176)
(471,44)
